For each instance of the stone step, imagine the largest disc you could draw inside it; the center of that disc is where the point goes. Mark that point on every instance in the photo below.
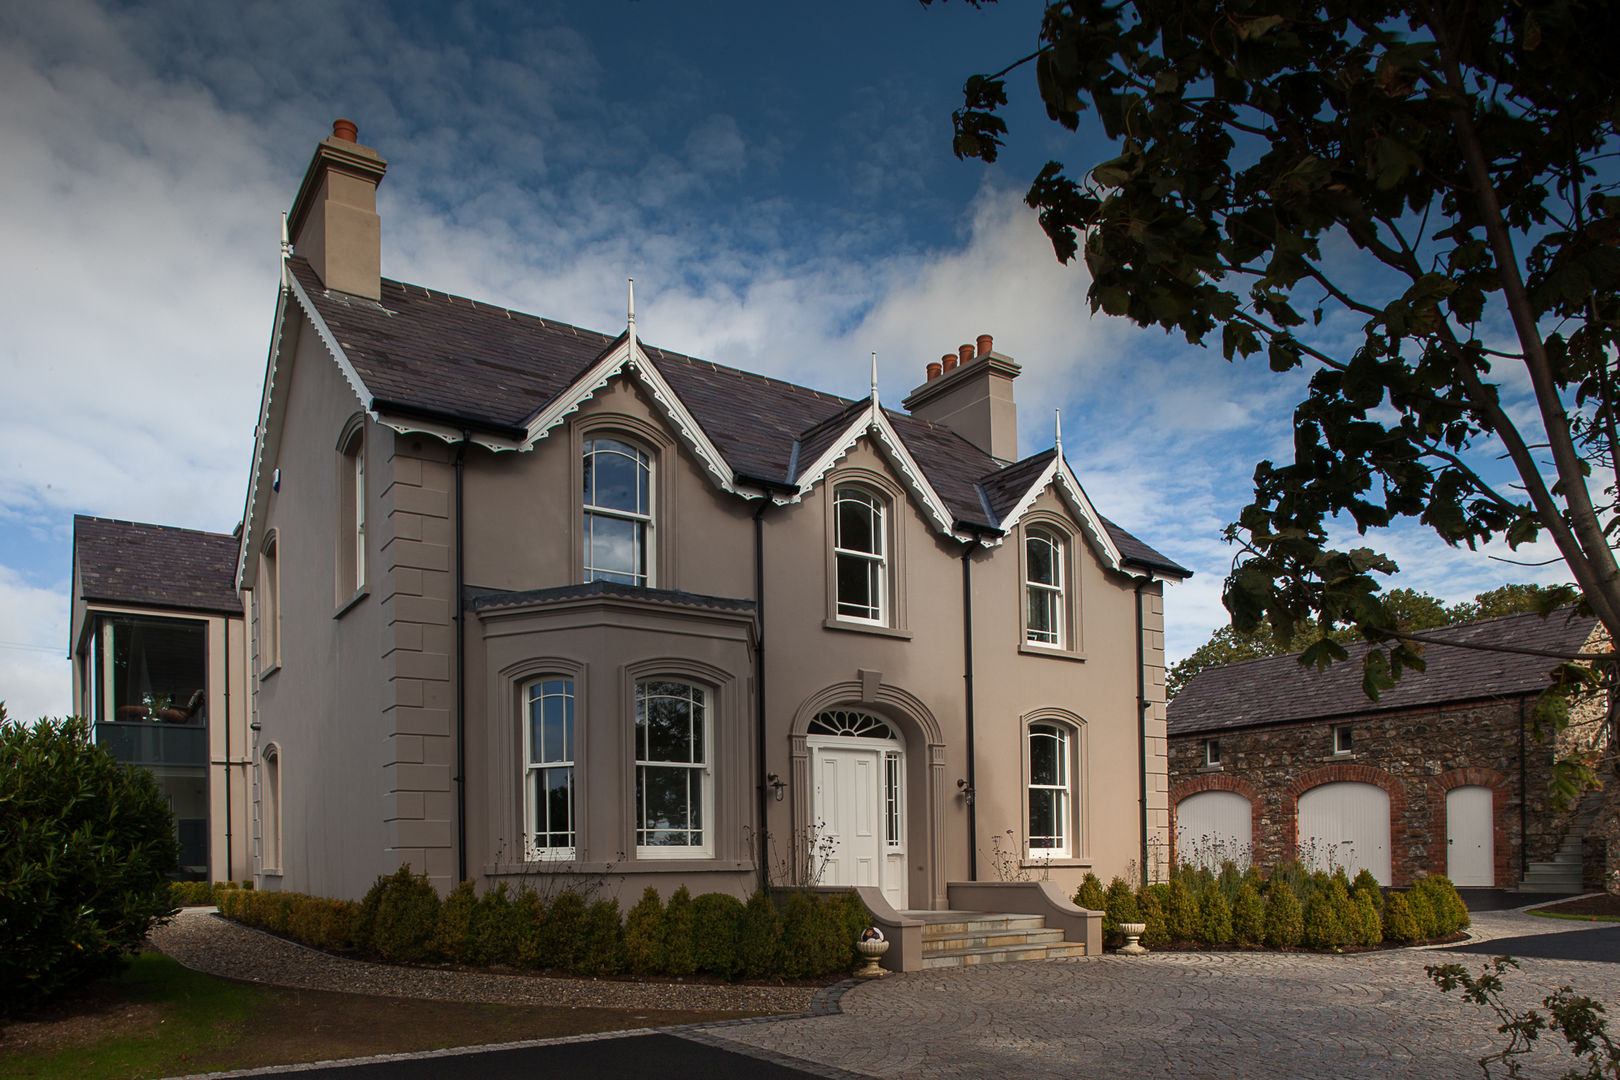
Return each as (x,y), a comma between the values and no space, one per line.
(964,922)
(1001,955)
(991,939)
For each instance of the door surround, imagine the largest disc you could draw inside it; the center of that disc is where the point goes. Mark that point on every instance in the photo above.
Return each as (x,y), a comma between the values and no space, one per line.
(924,782)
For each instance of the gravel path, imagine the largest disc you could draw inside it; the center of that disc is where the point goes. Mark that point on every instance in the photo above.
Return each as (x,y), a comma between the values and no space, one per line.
(203,941)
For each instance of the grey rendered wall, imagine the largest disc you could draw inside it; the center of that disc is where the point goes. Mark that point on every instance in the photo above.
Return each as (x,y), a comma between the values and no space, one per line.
(323,707)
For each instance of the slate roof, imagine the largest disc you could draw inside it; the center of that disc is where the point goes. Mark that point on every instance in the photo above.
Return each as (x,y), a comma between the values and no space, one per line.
(438,354)
(127,562)
(1277,690)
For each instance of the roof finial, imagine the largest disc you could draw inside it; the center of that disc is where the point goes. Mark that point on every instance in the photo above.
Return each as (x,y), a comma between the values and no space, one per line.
(632,307)
(286,239)
(874,377)
(1057,437)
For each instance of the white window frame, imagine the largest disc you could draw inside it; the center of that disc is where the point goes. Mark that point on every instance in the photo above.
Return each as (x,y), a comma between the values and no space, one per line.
(1052,593)
(1212,753)
(1062,789)
(534,770)
(642,519)
(876,561)
(1344,743)
(351,555)
(701,772)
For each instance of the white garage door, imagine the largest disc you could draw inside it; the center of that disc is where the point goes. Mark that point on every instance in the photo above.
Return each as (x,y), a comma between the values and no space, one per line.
(1212,827)
(1470,846)
(1346,824)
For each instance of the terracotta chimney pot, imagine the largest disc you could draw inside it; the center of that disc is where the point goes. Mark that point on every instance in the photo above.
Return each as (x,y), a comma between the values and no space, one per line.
(965,352)
(984,342)
(934,370)
(948,362)
(345,130)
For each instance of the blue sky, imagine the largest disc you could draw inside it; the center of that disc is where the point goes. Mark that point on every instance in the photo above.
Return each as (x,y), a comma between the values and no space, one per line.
(778,179)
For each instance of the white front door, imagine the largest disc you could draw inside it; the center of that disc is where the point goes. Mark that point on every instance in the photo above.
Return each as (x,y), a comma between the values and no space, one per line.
(855,830)
(1470,847)
(1346,824)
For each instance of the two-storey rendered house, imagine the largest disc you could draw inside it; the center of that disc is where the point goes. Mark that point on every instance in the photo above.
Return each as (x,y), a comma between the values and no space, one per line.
(527,599)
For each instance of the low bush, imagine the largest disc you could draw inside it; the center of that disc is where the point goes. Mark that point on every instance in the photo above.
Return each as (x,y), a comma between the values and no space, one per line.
(716,918)
(1428,920)
(1150,902)
(678,955)
(1248,915)
(1399,922)
(1217,916)
(562,932)
(1119,906)
(602,943)
(1371,928)
(644,935)
(759,935)
(1322,929)
(397,918)
(497,930)
(1090,895)
(452,933)
(1285,921)
(1183,921)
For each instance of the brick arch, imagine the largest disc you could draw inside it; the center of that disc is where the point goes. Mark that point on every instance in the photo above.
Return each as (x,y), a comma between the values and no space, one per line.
(1501,799)
(1358,774)
(1217,782)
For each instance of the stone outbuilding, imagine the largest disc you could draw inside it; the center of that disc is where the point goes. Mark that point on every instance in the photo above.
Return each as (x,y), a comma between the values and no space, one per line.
(1444,774)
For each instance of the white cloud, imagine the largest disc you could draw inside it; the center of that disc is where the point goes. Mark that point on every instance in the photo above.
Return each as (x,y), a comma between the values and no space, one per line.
(35,676)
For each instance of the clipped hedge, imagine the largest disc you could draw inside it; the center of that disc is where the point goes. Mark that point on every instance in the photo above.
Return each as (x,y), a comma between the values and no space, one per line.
(1288,908)
(402,919)
(201,893)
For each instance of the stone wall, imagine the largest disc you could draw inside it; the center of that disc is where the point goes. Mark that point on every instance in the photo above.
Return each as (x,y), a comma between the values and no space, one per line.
(1416,755)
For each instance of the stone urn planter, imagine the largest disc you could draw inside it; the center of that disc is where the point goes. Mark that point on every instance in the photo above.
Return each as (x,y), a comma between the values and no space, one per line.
(871,947)
(1133,932)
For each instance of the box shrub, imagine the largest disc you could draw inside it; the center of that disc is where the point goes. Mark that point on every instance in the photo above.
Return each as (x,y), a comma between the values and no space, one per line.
(796,953)
(499,928)
(678,956)
(86,843)
(320,922)
(1248,915)
(644,935)
(1371,930)
(452,933)
(1400,924)
(1366,883)
(1428,921)
(1230,879)
(562,932)
(1345,911)
(1285,921)
(1150,903)
(602,943)
(759,936)
(396,919)
(716,918)
(1090,895)
(1322,929)
(1119,906)
(1217,915)
(1449,912)
(1183,921)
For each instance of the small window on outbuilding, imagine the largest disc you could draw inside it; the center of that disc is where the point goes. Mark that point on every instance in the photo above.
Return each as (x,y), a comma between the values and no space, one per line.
(1212,753)
(1342,740)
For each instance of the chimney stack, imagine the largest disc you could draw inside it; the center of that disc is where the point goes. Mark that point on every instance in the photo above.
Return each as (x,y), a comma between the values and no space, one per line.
(333,221)
(970,391)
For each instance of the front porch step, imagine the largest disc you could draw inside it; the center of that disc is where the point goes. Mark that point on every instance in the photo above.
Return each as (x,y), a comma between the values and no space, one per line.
(963,938)
(1563,873)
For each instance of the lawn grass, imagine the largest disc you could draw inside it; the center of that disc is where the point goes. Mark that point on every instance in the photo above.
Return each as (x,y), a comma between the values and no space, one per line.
(1545,914)
(177,1015)
(161,1019)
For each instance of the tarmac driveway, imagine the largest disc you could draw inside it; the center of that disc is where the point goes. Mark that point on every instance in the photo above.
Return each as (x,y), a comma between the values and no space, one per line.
(1372,1015)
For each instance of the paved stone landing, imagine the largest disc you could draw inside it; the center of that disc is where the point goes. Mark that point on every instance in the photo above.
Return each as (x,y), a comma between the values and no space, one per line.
(1182,1015)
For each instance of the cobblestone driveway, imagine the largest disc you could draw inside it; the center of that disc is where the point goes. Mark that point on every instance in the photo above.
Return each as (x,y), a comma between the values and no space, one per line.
(1182,1015)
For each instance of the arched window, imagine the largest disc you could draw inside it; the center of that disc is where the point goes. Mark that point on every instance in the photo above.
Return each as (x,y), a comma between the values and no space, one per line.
(674,781)
(267,602)
(1043,588)
(618,511)
(860,555)
(548,781)
(270,810)
(351,554)
(1051,792)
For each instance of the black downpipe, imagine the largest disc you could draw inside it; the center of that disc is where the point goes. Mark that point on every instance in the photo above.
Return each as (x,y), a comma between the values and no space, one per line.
(967,679)
(1141,719)
(229,865)
(1524,841)
(461,677)
(759,685)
